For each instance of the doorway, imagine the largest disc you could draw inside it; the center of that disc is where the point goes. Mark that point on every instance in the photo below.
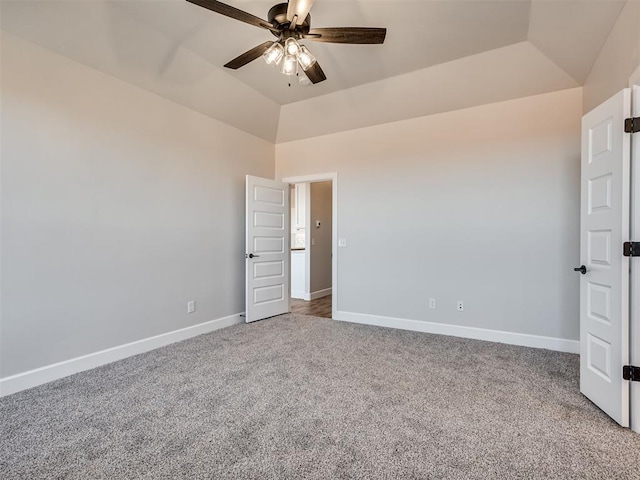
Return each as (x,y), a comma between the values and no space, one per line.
(311,227)
(313,242)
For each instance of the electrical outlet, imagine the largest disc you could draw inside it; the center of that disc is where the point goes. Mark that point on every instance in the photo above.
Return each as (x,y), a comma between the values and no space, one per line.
(313,241)
(432,303)
(460,306)
(342,242)
(191,306)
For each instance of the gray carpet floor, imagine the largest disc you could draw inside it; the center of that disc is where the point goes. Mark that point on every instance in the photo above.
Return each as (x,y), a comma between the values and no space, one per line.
(305,397)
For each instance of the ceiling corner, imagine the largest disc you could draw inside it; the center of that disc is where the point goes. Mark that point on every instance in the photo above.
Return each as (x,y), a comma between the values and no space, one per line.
(561,30)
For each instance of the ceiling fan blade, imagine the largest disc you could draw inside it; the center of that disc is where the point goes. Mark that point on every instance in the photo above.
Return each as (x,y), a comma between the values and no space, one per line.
(300,8)
(353,35)
(315,73)
(232,12)
(249,56)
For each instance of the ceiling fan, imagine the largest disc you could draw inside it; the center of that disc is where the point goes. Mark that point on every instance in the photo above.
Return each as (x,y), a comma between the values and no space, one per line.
(291,22)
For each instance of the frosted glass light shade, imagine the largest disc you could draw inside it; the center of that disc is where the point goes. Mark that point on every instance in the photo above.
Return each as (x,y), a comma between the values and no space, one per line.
(290,65)
(305,58)
(291,46)
(304,80)
(274,54)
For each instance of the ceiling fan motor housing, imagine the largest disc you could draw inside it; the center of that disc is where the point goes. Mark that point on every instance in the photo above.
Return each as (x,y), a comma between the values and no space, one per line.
(277,16)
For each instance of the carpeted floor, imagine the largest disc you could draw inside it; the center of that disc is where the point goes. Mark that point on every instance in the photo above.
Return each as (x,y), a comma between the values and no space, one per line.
(304,397)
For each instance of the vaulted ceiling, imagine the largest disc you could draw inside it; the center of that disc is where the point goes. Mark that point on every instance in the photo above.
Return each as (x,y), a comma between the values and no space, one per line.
(439,55)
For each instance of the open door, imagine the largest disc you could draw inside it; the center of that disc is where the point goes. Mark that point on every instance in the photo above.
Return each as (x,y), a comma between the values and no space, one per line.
(604,283)
(267,249)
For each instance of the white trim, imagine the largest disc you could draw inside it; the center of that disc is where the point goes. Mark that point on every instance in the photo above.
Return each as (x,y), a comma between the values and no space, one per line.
(634,284)
(38,376)
(317,177)
(300,295)
(634,79)
(320,293)
(323,177)
(511,338)
(311,296)
(307,241)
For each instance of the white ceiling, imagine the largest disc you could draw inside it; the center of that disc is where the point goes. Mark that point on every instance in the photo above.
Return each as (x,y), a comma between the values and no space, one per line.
(514,71)
(177,49)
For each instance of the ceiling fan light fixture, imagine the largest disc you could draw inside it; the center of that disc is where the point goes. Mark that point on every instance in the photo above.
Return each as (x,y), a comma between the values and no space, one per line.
(291,46)
(306,58)
(290,22)
(290,65)
(274,54)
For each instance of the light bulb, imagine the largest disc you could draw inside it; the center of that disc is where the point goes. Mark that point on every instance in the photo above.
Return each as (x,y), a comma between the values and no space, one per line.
(274,54)
(291,46)
(305,58)
(290,65)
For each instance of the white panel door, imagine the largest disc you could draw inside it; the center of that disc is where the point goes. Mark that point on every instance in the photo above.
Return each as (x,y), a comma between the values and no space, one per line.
(635,263)
(604,288)
(267,249)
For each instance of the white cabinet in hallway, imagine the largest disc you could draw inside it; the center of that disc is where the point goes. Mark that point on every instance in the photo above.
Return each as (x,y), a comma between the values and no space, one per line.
(299,206)
(298,274)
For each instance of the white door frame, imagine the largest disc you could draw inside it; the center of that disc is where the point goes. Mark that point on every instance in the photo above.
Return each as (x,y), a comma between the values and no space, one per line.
(634,316)
(325,177)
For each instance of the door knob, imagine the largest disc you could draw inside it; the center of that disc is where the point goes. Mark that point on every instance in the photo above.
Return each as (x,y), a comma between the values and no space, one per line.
(582,269)
(251,255)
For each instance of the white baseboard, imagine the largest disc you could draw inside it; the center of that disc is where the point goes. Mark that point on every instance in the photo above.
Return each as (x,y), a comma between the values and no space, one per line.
(311,296)
(320,293)
(635,78)
(522,339)
(33,378)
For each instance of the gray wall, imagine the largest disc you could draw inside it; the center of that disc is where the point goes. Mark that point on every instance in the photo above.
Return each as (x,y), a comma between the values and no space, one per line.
(321,252)
(118,207)
(479,205)
(618,59)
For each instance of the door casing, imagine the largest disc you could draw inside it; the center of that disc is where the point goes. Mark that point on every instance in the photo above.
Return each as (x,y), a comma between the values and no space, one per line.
(634,319)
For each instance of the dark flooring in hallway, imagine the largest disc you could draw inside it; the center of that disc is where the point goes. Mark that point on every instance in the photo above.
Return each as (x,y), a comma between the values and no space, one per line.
(320,307)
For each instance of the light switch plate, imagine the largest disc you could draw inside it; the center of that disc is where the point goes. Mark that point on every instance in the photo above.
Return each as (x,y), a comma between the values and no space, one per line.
(342,242)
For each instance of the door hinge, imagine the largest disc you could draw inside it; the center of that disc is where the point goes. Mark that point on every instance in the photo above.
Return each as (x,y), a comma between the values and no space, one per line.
(631,249)
(632,125)
(629,372)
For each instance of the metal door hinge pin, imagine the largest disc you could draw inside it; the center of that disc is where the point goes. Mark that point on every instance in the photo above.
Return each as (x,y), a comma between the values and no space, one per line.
(631,249)
(632,125)
(629,372)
